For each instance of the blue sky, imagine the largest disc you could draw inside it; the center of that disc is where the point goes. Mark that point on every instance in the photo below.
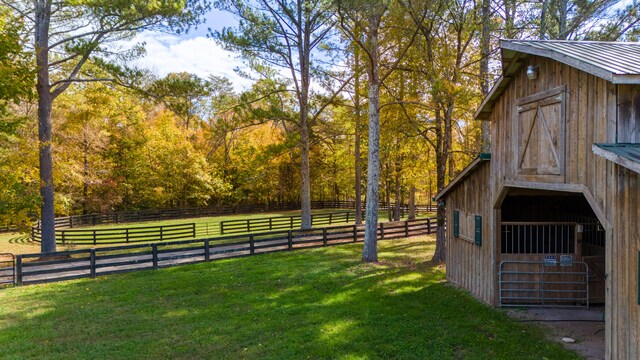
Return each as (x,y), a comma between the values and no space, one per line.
(192,52)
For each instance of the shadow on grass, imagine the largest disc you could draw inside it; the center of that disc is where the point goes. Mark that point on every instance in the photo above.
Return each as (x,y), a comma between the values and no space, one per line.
(321,303)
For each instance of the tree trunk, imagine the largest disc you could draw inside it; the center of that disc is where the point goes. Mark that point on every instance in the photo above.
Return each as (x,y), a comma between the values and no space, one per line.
(370,248)
(412,202)
(45,99)
(305,186)
(441,172)
(485,142)
(356,101)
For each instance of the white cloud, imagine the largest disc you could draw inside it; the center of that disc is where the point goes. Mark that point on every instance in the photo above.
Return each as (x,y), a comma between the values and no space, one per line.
(198,55)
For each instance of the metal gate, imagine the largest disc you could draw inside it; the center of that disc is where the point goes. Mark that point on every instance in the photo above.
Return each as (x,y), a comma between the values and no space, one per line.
(543,284)
(7,269)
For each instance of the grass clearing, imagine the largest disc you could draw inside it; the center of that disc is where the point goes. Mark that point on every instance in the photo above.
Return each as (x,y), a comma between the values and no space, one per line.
(318,304)
(20,243)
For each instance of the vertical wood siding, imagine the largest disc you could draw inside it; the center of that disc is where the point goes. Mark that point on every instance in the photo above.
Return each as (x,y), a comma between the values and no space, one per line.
(469,265)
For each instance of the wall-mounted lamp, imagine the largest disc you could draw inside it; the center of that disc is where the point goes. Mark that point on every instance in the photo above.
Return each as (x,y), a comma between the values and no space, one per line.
(532,72)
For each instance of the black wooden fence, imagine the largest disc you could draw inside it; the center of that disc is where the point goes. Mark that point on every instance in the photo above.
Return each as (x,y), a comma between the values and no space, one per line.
(120,235)
(282,222)
(194,212)
(7,268)
(66,265)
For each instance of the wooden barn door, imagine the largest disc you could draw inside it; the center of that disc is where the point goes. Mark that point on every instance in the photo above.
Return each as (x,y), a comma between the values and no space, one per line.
(540,122)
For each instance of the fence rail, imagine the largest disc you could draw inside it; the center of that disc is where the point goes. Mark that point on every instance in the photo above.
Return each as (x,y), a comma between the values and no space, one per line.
(120,235)
(66,265)
(7,269)
(282,222)
(183,213)
(538,237)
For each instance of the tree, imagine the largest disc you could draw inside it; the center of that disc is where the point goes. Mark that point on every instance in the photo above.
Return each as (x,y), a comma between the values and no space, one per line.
(182,93)
(69,34)
(284,34)
(362,22)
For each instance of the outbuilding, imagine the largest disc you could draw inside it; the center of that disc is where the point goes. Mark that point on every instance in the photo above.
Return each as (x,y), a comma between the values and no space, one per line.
(552,216)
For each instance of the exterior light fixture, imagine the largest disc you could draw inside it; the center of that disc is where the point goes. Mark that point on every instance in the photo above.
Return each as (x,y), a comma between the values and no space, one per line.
(532,72)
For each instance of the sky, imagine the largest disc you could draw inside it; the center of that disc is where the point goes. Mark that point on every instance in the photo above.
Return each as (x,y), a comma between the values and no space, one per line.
(192,52)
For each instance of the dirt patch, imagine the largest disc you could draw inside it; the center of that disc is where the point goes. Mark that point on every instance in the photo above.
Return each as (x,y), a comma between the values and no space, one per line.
(585,326)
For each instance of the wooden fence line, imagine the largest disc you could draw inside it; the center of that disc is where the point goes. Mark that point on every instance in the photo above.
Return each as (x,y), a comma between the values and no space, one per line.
(66,265)
(120,235)
(282,222)
(181,213)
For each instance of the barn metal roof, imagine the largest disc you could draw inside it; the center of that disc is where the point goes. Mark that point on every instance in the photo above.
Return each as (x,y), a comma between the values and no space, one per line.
(464,174)
(616,62)
(627,155)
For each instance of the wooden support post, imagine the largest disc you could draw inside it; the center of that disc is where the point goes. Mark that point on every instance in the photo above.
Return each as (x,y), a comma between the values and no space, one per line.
(62,232)
(406,228)
(428,226)
(95,238)
(347,217)
(221,227)
(154,253)
(381,231)
(270,224)
(18,274)
(207,255)
(92,263)
(330,218)
(193,230)
(324,236)
(355,233)
(248,225)
(251,245)
(291,219)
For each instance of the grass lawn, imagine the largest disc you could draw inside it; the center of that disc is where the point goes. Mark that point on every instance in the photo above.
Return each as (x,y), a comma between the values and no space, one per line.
(20,243)
(310,304)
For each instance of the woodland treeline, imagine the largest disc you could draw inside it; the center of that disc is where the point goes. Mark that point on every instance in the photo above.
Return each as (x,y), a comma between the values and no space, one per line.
(324,73)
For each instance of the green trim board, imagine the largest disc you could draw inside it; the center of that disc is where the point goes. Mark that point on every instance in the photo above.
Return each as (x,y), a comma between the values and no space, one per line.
(478,230)
(456,223)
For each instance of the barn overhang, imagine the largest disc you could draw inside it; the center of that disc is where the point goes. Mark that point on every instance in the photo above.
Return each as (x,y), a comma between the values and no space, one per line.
(615,62)
(625,155)
(470,169)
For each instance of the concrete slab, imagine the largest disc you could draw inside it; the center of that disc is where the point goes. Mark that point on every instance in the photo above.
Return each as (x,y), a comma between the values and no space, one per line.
(585,326)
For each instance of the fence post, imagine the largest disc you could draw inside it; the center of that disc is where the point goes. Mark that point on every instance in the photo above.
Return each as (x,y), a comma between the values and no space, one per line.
(330,218)
(19,270)
(94,219)
(270,224)
(251,245)
(71,222)
(161,234)
(206,250)
(193,229)
(221,227)
(355,233)
(248,225)
(324,236)
(381,231)
(429,226)
(290,239)
(63,237)
(291,221)
(406,228)
(95,239)
(154,252)
(347,217)
(92,263)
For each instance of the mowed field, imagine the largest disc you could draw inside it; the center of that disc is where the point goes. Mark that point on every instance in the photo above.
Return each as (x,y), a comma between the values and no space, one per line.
(311,304)
(20,243)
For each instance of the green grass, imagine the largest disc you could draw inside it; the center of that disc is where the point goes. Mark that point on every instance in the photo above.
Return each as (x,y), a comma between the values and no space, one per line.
(19,243)
(310,304)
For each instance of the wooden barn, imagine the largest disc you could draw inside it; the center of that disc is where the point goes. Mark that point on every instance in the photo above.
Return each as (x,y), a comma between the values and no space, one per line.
(552,216)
